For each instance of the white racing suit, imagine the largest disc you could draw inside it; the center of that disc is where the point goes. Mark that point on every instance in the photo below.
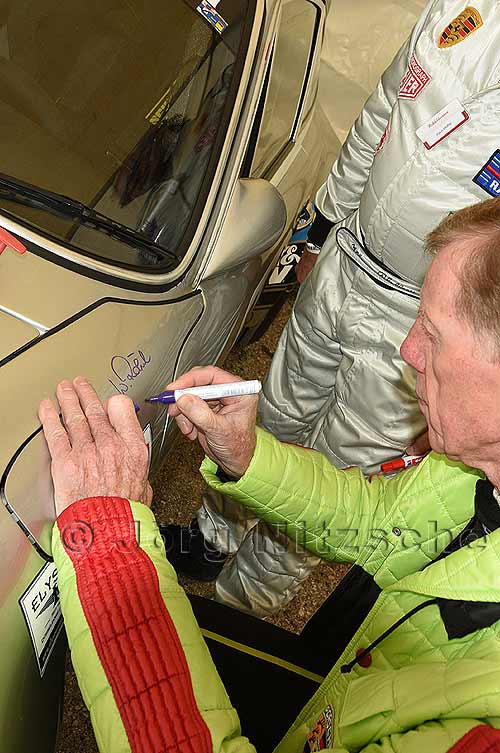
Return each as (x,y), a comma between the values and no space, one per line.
(337,382)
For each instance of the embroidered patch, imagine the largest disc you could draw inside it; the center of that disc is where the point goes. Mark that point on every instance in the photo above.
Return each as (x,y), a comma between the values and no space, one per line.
(321,736)
(464,24)
(488,178)
(414,81)
(384,138)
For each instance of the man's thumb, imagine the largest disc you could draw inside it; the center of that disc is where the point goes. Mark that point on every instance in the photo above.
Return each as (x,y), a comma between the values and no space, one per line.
(197,411)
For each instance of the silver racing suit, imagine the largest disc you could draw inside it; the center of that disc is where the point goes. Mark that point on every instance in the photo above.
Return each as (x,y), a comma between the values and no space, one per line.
(426,143)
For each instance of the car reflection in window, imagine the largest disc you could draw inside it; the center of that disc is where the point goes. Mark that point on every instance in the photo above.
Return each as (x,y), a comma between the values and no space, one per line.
(169,164)
(146,124)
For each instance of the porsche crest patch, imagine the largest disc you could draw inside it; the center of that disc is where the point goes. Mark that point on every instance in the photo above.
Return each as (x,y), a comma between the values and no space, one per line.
(321,735)
(464,24)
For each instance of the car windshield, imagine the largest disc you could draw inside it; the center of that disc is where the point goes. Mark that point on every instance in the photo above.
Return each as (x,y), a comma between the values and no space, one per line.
(119,105)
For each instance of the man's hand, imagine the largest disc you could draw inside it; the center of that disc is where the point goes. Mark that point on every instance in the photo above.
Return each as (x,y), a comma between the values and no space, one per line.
(225,428)
(420,445)
(305,265)
(98,451)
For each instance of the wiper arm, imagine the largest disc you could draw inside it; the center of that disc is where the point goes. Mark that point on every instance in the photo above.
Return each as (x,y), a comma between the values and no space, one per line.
(24,193)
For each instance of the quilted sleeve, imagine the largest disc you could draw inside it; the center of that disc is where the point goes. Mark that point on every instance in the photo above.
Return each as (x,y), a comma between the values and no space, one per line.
(142,665)
(326,510)
(340,194)
(444,736)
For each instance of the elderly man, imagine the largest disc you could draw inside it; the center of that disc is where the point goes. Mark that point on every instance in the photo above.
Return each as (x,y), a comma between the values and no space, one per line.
(417,664)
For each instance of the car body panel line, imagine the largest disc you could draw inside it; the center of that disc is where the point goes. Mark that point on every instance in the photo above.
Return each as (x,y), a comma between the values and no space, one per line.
(15,517)
(83,312)
(177,359)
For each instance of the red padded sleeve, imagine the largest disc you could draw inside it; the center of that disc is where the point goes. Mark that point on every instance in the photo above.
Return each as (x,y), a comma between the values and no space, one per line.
(133,633)
(481,739)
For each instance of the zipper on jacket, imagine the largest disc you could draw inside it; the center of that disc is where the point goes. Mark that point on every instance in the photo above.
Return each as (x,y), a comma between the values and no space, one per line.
(345,668)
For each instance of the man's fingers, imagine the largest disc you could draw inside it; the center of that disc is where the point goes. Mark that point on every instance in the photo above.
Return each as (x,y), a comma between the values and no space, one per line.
(198,413)
(92,407)
(184,424)
(201,375)
(123,418)
(54,432)
(187,428)
(75,420)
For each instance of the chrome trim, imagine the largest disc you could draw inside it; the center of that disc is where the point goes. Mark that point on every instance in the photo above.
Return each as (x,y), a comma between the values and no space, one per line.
(42,329)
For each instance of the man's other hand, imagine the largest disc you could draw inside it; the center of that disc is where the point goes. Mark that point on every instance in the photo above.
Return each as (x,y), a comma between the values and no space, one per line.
(305,265)
(96,450)
(420,445)
(224,428)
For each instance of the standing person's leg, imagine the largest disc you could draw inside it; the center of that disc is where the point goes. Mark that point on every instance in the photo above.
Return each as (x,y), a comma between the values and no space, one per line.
(308,340)
(269,567)
(266,572)
(336,384)
(369,415)
(224,523)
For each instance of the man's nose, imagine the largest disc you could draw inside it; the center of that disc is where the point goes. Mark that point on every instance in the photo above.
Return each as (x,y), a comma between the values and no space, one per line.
(411,350)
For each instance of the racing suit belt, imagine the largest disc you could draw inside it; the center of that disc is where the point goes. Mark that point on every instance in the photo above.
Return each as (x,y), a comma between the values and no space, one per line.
(373,267)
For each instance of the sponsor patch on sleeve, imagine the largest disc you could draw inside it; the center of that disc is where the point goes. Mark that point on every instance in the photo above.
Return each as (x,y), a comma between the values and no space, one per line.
(321,736)
(488,178)
(414,81)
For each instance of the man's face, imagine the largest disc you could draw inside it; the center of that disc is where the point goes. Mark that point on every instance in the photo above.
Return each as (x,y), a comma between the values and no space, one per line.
(458,379)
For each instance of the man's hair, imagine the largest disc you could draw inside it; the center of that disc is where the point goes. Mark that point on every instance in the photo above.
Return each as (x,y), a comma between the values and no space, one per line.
(475,230)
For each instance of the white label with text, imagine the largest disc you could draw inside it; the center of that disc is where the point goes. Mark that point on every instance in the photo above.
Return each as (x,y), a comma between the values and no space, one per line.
(42,611)
(442,124)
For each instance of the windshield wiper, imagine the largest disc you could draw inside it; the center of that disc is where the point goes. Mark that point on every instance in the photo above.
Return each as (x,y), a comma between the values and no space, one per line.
(24,193)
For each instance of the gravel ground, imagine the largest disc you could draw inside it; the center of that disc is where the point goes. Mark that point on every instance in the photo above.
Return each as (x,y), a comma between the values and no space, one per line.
(177,490)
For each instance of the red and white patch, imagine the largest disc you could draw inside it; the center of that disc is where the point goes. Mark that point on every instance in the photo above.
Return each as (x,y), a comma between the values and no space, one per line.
(384,138)
(414,81)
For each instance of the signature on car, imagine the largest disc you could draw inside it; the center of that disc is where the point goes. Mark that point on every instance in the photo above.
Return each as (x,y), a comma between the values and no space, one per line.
(127,368)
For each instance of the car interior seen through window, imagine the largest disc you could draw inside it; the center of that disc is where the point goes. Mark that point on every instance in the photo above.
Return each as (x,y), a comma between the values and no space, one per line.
(110,115)
(290,61)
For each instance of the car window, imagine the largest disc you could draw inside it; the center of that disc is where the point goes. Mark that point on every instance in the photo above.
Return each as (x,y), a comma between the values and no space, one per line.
(291,55)
(116,104)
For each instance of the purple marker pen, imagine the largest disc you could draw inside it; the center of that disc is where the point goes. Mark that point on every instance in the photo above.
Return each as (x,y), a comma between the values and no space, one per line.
(209,392)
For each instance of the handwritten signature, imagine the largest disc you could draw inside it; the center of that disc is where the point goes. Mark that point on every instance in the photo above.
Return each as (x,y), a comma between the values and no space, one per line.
(128,368)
